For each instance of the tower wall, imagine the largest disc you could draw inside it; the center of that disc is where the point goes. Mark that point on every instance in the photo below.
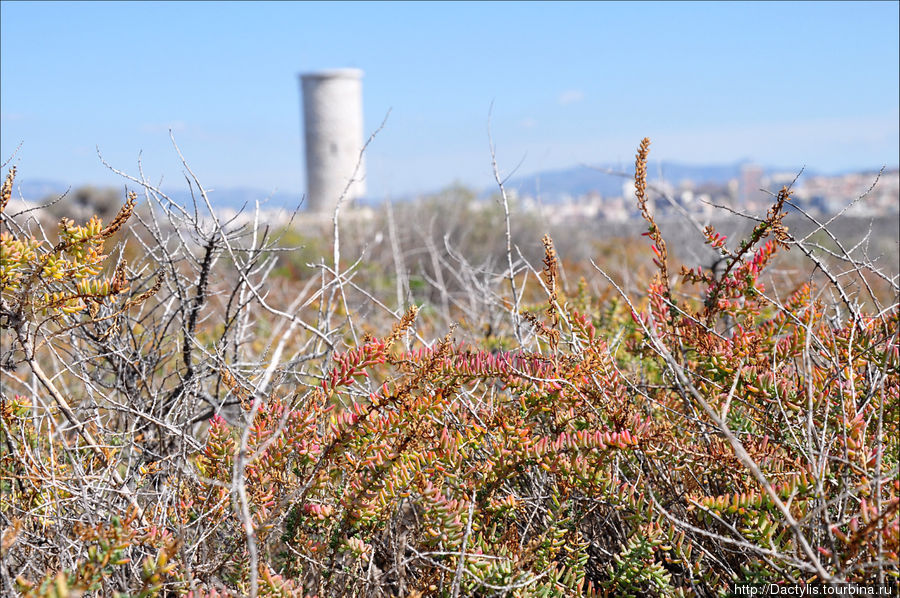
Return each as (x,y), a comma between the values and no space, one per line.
(333,131)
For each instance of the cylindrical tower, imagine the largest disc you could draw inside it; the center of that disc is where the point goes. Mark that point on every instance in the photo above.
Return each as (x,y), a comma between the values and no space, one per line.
(333,126)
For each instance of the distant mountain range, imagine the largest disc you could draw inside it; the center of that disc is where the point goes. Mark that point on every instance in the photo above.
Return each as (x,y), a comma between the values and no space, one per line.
(581,180)
(233,197)
(550,185)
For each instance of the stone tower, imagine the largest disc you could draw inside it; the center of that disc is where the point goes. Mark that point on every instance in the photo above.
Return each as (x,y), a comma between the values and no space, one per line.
(333,127)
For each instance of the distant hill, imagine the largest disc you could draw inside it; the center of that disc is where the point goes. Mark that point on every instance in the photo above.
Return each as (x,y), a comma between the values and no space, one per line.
(35,190)
(238,197)
(550,185)
(580,180)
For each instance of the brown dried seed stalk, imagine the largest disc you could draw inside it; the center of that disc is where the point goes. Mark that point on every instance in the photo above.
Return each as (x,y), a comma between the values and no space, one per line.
(402,326)
(640,173)
(550,273)
(123,215)
(640,190)
(119,281)
(146,294)
(6,190)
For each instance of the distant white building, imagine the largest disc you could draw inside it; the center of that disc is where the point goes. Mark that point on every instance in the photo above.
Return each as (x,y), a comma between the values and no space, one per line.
(751,182)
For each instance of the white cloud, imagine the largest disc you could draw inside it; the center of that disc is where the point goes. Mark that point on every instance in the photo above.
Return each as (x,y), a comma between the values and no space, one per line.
(570,96)
(528,123)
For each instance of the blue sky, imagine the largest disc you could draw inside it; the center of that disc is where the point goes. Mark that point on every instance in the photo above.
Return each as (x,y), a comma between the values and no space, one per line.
(785,84)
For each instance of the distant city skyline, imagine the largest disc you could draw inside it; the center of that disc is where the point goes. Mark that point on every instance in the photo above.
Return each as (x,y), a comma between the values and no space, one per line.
(781,84)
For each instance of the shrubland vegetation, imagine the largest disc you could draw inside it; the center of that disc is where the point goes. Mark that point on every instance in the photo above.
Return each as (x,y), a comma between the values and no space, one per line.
(192,407)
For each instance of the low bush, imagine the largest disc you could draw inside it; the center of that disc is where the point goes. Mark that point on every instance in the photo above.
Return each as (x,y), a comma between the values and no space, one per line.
(180,427)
